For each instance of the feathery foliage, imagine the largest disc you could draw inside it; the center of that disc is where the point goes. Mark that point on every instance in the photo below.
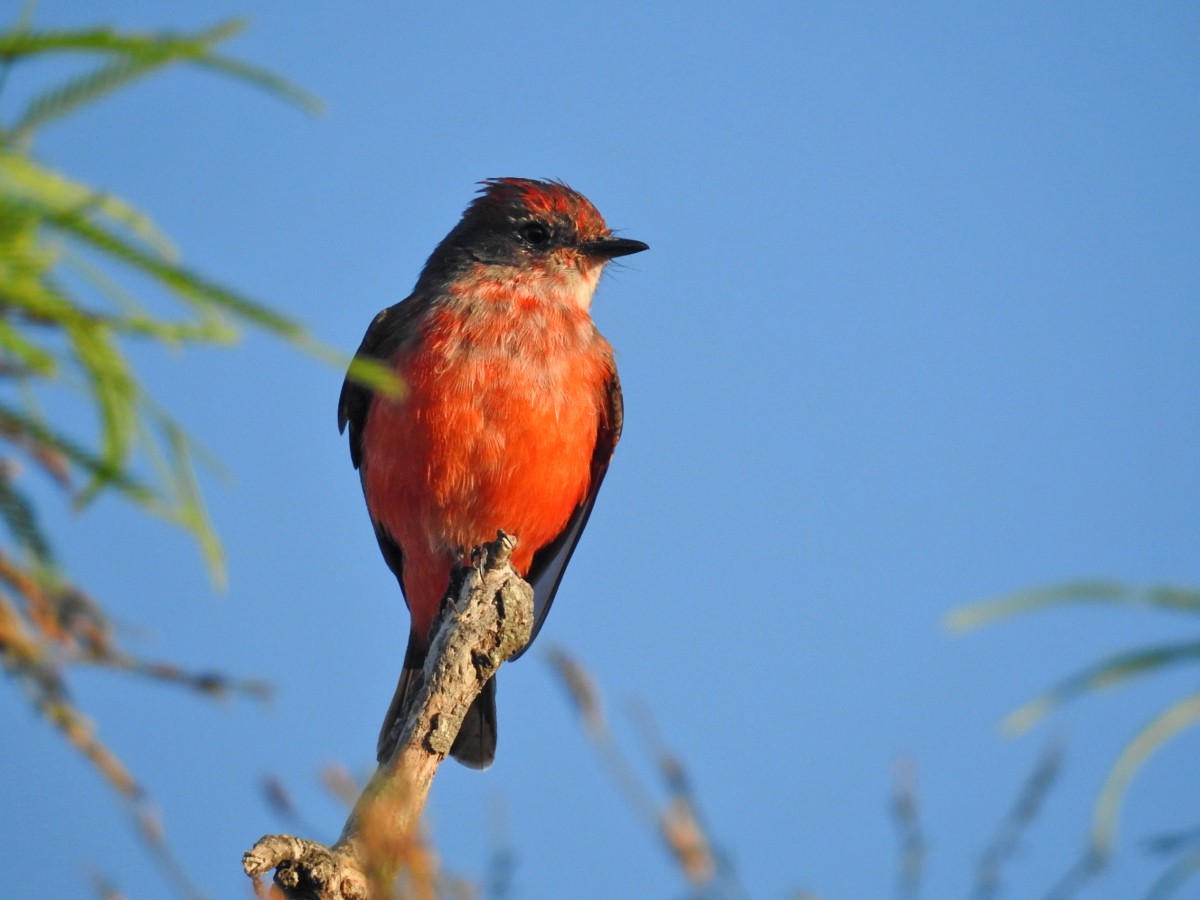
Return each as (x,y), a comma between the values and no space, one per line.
(83,274)
(1107,673)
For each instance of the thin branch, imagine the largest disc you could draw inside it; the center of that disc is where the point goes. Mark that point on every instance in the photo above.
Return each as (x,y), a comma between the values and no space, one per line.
(502,862)
(1083,870)
(1003,844)
(911,837)
(677,822)
(486,618)
(586,697)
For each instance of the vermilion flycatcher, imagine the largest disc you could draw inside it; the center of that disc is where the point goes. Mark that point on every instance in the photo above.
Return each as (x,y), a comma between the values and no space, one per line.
(510,411)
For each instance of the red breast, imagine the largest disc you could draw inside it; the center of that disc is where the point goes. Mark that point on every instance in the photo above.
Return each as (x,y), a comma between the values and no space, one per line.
(496,431)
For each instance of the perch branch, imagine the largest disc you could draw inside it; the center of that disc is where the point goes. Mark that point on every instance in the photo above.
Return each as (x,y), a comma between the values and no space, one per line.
(486,618)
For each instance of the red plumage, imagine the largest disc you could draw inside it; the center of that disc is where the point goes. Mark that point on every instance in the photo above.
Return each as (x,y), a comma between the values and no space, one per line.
(510,412)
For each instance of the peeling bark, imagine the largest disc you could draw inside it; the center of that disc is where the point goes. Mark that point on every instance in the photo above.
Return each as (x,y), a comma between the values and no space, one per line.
(486,618)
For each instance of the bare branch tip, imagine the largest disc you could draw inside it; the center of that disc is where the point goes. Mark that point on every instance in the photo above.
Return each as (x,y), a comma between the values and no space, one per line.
(497,553)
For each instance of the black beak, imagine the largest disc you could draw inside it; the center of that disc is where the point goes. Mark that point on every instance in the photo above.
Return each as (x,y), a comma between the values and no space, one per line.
(611,247)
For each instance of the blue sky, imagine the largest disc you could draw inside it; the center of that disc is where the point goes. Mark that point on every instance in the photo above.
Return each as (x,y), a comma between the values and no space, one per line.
(918,327)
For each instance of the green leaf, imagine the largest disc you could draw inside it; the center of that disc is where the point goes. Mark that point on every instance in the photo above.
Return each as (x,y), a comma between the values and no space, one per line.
(21,518)
(39,301)
(186,504)
(372,373)
(135,60)
(185,284)
(210,327)
(115,392)
(1161,729)
(24,256)
(264,79)
(43,192)
(136,55)
(19,351)
(191,510)
(70,96)
(22,427)
(1105,674)
(21,42)
(1111,592)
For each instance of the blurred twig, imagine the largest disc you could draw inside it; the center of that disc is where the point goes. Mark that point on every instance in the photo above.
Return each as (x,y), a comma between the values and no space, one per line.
(677,821)
(685,829)
(281,802)
(1182,870)
(1173,842)
(1083,870)
(72,259)
(585,696)
(906,816)
(498,878)
(1117,669)
(103,888)
(1000,849)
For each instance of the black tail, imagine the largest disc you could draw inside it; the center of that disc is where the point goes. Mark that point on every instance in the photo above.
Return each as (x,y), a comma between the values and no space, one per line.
(475,745)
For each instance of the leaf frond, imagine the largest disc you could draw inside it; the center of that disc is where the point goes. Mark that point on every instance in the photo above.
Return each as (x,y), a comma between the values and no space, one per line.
(171,451)
(133,55)
(1178,874)
(20,517)
(65,98)
(28,430)
(1110,592)
(45,193)
(189,503)
(1107,673)
(21,42)
(264,79)
(185,284)
(115,393)
(21,355)
(375,375)
(1112,795)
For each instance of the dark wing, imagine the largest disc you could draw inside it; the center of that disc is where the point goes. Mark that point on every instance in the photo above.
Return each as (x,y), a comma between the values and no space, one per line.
(387,332)
(549,563)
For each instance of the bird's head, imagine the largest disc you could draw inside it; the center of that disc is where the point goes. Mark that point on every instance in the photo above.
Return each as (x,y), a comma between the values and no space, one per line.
(540,234)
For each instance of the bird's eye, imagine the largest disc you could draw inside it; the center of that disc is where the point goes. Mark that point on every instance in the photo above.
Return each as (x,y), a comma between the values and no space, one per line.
(534,233)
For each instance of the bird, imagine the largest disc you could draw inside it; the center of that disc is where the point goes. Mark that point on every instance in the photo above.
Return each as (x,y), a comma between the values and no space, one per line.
(508,414)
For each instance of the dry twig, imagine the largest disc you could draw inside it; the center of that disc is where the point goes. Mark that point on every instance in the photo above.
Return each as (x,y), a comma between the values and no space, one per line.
(486,618)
